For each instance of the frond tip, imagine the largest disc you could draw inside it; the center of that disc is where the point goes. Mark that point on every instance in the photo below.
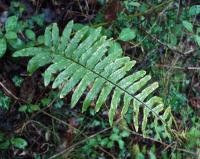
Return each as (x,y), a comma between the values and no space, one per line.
(89,59)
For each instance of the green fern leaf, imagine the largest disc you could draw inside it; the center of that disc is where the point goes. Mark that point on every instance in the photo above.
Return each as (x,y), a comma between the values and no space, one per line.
(64,40)
(86,59)
(38,61)
(47,36)
(55,36)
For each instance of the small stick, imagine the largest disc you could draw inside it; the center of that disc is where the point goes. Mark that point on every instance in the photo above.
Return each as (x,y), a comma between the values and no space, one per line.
(8,91)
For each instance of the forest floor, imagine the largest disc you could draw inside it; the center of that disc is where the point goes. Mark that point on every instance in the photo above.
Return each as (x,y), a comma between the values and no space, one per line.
(35,123)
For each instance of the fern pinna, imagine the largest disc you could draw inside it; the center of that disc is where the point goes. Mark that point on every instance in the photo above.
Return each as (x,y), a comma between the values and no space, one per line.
(86,58)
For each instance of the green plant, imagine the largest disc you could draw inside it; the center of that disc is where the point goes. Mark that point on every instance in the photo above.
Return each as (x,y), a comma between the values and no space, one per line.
(89,59)
(3,47)
(12,28)
(18,34)
(116,136)
(4,101)
(17,142)
(114,139)
(189,27)
(17,80)
(140,153)
(29,108)
(127,34)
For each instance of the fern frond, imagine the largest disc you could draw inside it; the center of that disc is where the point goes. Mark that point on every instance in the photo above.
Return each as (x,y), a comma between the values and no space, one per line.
(86,58)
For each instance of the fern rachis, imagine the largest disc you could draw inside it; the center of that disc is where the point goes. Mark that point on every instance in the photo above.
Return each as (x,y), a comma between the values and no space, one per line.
(88,58)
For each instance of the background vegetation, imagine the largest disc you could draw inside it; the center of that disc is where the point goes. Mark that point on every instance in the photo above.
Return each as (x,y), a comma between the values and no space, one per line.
(162,36)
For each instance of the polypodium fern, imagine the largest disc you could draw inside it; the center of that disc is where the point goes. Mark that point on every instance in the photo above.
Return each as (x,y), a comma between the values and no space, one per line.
(86,58)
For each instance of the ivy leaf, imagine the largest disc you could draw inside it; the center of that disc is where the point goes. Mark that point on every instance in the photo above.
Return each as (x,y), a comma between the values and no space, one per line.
(127,34)
(11,23)
(115,48)
(11,35)
(104,142)
(121,144)
(30,34)
(40,39)
(22,108)
(124,134)
(110,144)
(188,25)
(3,47)
(114,137)
(34,107)
(19,143)
(194,10)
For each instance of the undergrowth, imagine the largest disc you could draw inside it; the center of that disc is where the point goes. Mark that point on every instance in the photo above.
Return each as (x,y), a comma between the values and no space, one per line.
(74,85)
